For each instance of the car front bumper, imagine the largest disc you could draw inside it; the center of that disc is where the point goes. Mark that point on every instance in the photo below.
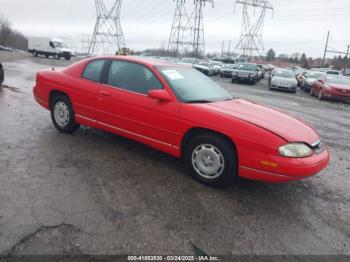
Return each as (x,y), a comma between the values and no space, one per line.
(243,78)
(277,169)
(281,87)
(337,95)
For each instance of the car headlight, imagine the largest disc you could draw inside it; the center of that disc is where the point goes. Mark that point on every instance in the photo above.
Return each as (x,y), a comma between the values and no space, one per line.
(296,150)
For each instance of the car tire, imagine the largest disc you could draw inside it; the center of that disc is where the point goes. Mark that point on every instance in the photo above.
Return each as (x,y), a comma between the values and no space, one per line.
(57,56)
(62,114)
(311,91)
(35,53)
(320,96)
(232,81)
(211,159)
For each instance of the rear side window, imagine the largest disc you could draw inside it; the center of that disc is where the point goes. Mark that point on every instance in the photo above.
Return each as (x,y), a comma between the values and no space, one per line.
(132,77)
(93,70)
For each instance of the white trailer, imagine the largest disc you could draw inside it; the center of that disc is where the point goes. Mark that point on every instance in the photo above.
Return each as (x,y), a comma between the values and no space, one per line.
(49,47)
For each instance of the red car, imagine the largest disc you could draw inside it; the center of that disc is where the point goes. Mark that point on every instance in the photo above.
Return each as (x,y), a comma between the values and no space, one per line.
(178,110)
(332,87)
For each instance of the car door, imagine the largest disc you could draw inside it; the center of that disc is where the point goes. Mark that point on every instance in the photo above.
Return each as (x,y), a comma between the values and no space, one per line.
(86,90)
(124,106)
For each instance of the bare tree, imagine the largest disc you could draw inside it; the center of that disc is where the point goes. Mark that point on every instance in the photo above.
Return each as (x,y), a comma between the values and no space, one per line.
(9,37)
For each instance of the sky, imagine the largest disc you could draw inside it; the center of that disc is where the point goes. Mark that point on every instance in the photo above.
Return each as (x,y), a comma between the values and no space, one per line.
(294,26)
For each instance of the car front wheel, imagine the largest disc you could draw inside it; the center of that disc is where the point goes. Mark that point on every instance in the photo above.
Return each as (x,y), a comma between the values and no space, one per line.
(320,95)
(211,160)
(62,115)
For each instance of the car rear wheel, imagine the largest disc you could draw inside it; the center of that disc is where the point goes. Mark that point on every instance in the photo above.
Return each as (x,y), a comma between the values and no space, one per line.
(211,159)
(62,115)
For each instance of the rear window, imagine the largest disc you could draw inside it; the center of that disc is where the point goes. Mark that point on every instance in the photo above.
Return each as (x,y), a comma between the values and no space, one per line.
(93,70)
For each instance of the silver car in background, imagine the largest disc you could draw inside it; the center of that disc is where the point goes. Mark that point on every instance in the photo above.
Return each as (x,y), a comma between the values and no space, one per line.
(283,79)
(227,70)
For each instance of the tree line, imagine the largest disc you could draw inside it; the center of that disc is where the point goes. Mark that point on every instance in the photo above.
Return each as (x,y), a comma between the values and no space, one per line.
(10,37)
(338,62)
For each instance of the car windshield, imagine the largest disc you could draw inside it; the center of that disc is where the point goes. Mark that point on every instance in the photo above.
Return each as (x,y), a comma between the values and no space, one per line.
(284,73)
(204,64)
(333,73)
(59,44)
(191,86)
(247,67)
(314,75)
(341,80)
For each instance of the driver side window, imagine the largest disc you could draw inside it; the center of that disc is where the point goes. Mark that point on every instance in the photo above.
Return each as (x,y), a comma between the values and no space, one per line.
(132,77)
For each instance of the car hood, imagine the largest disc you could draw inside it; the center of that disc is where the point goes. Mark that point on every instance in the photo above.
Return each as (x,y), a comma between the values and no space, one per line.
(338,86)
(285,79)
(287,127)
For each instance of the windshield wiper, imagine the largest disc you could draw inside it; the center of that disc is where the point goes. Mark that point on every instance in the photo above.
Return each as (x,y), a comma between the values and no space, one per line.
(202,101)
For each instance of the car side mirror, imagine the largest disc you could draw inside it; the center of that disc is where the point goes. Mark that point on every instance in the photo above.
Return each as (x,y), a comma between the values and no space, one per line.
(52,45)
(161,95)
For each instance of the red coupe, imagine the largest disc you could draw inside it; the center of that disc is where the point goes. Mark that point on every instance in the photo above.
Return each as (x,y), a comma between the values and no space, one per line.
(180,111)
(333,87)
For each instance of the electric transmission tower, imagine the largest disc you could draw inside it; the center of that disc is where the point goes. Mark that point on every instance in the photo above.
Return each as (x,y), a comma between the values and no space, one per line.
(251,40)
(187,32)
(108,35)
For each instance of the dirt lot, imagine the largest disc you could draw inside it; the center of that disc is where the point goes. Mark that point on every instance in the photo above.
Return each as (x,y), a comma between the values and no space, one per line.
(96,193)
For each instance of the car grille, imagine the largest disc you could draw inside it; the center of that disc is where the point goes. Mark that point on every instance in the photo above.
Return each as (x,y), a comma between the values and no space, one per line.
(243,74)
(317,147)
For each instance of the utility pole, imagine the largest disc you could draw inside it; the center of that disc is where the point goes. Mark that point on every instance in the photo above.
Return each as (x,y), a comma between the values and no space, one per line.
(187,32)
(222,48)
(229,48)
(108,35)
(250,42)
(325,50)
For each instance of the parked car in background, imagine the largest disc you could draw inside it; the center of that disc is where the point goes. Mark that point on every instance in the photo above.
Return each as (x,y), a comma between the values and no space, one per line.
(246,72)
(300,75)
(332,72)
(2,74)
(49,47)
(345,72)
(332,87)
(205,67)
(283,79)
(309,79)
(188,61)
(216,65)
(180,111)
(262,70)
(227,70)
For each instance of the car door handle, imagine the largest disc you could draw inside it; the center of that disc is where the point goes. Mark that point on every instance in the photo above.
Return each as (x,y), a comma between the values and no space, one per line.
(104,93)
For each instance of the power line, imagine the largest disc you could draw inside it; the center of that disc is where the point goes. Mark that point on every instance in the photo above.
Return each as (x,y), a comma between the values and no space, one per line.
(108,36)
(187,31)
(250,42)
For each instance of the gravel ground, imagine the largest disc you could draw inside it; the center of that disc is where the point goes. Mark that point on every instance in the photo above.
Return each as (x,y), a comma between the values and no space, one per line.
(97,193)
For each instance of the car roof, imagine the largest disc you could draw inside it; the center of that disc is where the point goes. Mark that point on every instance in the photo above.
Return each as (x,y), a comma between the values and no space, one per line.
(283,69)
(141,60)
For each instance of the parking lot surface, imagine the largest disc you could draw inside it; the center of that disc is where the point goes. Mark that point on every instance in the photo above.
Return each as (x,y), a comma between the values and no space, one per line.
(97,193)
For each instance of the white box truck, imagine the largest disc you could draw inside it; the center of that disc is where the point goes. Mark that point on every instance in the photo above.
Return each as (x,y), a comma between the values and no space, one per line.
(47,47)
